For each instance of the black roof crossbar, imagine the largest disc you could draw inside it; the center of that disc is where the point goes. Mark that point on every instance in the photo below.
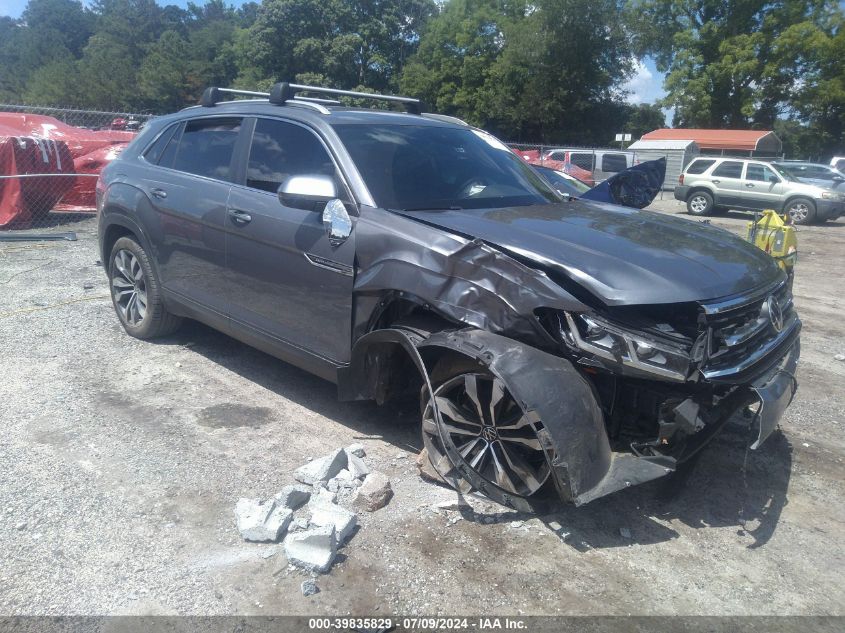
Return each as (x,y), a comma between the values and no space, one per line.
(212,96)
(285,91)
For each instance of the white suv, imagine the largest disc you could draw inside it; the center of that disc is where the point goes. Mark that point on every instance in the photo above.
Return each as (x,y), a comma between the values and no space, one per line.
(710,185)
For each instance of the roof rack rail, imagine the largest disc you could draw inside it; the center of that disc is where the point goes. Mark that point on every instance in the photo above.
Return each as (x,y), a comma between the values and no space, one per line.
(284,91)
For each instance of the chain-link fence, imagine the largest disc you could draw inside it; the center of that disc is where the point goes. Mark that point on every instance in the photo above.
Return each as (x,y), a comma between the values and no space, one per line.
(50,159)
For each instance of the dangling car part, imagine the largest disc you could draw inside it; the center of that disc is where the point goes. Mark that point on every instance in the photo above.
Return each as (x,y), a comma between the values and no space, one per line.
(560,349)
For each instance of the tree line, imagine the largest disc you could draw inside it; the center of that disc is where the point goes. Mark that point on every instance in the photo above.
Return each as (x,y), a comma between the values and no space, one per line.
(549,71)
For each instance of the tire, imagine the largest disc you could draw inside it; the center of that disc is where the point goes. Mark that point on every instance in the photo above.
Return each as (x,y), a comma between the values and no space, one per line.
(801,210)
(504,451)
(136,292)
(700,203)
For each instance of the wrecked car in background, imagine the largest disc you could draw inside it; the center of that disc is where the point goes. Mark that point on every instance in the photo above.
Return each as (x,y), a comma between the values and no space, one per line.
(560,349)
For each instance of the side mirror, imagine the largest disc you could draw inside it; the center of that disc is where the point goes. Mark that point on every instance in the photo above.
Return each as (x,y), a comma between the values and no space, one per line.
(304,191)
(337,222)
(838,179)
(774,179)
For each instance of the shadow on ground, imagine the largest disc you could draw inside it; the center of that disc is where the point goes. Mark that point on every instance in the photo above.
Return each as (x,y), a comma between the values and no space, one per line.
(727,486)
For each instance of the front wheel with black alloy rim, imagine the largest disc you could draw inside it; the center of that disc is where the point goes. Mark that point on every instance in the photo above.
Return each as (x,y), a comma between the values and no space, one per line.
(485,441)
(801,211)
(700,203)
(136,293)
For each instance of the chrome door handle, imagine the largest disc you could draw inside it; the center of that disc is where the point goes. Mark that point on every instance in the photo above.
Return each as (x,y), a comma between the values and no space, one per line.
(716,182)
(748,184)
(239,217)
(159,193)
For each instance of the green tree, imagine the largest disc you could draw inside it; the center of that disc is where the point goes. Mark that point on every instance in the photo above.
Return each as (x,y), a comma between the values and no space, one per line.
(723,68)
(164,79)
(548,70)
(643,118)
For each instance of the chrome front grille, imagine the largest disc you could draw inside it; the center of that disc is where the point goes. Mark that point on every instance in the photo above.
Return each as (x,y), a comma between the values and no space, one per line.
(742,334)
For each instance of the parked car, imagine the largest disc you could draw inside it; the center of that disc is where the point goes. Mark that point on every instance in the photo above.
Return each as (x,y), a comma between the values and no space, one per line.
(601,163)
(558,350)
(711,185)
(535,158)
(814,173)
(838,162)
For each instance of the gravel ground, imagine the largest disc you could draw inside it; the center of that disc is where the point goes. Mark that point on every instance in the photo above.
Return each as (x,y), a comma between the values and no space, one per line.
(122,461)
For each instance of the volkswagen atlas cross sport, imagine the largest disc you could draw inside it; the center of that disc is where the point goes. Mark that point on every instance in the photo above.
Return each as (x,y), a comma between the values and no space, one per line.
(560,349)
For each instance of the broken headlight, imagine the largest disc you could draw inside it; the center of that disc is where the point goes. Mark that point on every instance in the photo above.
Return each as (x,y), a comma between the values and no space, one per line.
(609,341)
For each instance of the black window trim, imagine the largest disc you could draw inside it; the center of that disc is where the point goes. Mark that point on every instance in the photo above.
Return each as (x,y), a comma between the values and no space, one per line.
(246,147)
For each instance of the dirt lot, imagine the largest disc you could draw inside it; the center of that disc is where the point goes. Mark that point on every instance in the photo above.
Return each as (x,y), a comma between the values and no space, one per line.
(122,461)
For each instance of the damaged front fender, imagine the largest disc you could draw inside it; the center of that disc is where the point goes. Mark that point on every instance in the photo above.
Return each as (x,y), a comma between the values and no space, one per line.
(548,388)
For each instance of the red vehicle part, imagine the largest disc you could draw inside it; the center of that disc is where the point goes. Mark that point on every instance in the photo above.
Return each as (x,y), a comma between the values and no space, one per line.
(533,157)
(77,151)
(34,175)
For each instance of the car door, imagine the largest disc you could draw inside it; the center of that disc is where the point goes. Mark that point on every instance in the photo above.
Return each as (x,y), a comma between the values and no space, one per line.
(727,180)
(764,189)
(188,191)
(285,279)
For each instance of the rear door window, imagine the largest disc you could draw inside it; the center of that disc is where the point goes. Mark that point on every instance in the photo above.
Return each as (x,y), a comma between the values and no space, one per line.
(614,163)
(207,146)
(699,166)
(729,169)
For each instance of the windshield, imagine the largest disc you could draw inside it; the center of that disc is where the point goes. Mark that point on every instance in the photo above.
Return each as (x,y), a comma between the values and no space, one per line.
(424,167)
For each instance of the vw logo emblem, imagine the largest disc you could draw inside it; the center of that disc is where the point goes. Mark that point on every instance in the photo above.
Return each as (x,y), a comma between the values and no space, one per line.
(489,433)
(775,313)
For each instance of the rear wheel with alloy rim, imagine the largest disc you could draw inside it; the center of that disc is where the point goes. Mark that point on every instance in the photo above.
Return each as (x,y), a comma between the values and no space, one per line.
(136,293)
(485,441)
(700,203)
(801,210)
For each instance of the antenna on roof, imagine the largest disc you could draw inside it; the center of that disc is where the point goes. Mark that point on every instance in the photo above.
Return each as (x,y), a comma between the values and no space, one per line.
(284,91)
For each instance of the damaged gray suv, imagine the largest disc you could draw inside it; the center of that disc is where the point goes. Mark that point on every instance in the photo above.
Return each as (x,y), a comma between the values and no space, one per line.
(560,349)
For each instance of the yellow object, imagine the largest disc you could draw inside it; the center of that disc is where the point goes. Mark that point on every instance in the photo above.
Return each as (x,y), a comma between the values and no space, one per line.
(773,235)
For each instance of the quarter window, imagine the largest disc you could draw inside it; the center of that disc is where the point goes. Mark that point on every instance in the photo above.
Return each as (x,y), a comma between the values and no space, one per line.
(729,169)
(699,166)
(759,173)
(156,150)
(281,150)
(206,148)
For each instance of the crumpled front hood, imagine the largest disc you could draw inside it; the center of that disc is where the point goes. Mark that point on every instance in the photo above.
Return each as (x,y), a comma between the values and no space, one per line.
(621,255)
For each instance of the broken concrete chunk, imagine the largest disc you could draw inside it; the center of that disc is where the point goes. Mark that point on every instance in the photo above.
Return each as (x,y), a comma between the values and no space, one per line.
(343,520)
(356,449)
(293,496)
(374,493)
(322,469)
(357,466)
(262,521)
(324,495)
(313,549)
(309,587)
(427,471)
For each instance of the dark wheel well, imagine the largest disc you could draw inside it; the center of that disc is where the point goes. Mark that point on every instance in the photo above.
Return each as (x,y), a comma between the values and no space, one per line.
(112,234)
(700,189)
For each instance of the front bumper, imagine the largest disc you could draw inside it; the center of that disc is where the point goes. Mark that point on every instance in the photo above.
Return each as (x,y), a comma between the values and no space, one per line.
(829,209)
(775,391)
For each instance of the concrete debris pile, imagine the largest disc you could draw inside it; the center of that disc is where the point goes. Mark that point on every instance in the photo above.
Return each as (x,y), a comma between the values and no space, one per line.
(318,515)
